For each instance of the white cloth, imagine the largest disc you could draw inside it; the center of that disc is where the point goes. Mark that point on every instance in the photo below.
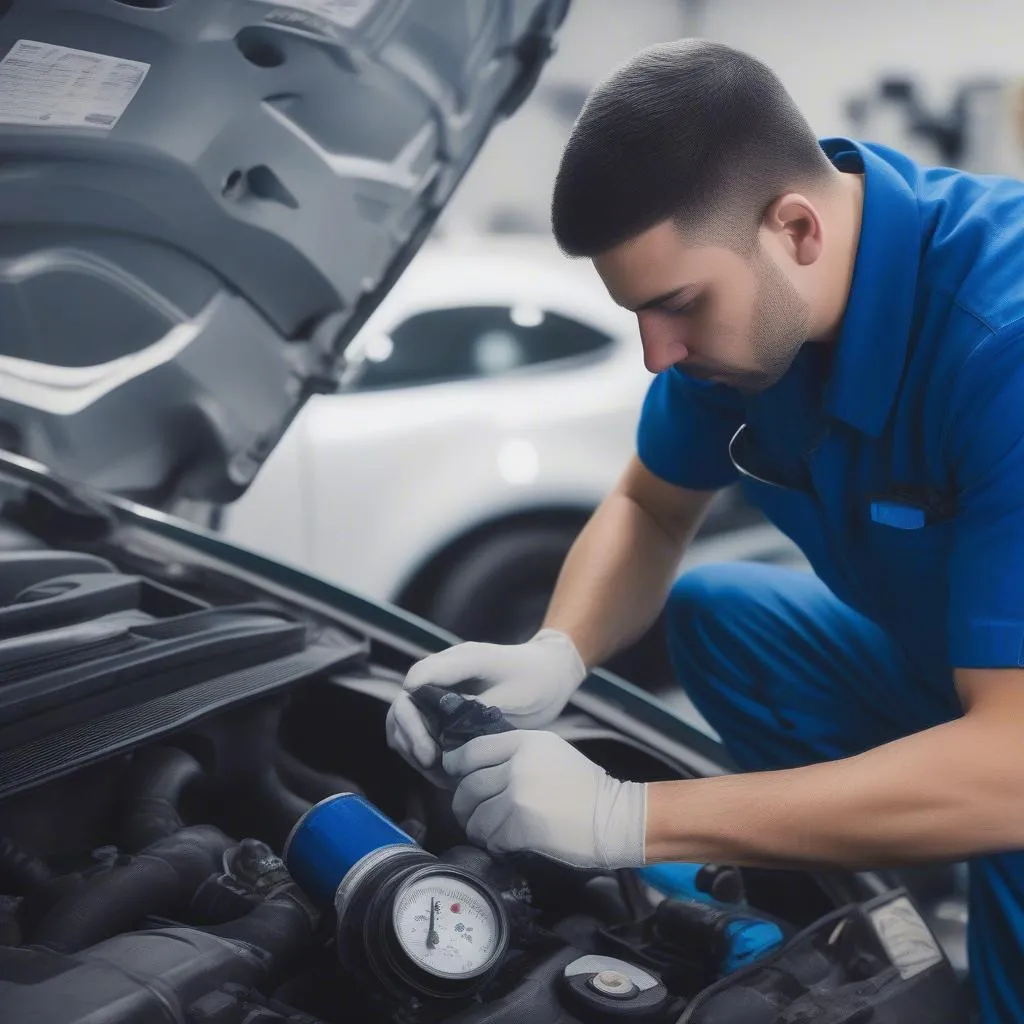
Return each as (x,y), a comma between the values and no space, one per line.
(530,682)
(534,791)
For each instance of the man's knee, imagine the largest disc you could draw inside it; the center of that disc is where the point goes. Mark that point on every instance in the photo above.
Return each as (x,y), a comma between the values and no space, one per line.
(702,613)
(718,617)
(708,597)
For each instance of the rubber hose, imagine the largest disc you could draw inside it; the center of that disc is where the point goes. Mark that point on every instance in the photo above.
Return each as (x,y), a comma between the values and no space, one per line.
(162,775)
(20,872)
(160,880)
(257,802)
(279,927)
(311,783)
(277,808)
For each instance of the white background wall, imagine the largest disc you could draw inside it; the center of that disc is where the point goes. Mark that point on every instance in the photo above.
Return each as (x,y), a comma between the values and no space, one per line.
(824,52)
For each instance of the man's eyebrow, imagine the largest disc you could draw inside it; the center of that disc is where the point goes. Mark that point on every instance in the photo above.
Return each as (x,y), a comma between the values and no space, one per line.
(660,300)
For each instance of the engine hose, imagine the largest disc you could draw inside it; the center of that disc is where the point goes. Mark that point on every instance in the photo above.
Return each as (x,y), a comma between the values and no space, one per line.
(160,880)
(311,783)
(162,775)
(279,927)
(276,807)
(254,799)
(20,872)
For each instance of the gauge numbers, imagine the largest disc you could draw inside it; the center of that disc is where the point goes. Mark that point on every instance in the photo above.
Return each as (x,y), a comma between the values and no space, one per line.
(446,926)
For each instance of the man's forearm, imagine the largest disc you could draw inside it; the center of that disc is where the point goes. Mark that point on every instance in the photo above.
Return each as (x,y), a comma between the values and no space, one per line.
(615,579)
(950,792)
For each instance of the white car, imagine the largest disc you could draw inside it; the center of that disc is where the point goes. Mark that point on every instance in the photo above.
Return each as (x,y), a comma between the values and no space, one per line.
(497,405)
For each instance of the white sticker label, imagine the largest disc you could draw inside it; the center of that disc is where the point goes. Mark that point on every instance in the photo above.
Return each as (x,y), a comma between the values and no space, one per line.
(57,87)
(911,946)
(345,13)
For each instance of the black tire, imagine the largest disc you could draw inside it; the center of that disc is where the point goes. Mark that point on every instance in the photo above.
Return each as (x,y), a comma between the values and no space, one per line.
(498,590)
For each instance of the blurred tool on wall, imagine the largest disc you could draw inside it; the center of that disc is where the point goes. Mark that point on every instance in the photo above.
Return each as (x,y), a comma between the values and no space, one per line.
(980,129)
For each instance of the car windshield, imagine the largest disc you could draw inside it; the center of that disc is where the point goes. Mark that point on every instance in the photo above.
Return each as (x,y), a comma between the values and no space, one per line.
(468,342)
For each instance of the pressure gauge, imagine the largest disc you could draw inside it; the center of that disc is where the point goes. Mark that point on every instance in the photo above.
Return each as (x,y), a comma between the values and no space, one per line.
(417,924)
(447,924)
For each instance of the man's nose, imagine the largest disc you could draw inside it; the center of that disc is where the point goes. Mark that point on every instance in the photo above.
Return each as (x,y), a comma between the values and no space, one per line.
(662,340)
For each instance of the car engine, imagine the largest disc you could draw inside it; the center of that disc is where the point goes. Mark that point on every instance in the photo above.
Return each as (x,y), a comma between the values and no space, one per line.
(200,823)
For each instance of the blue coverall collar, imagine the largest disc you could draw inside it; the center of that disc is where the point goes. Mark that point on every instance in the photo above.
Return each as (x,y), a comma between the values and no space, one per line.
(875,333)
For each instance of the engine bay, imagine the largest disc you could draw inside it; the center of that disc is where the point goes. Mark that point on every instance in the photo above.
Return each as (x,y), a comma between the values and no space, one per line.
(200,821)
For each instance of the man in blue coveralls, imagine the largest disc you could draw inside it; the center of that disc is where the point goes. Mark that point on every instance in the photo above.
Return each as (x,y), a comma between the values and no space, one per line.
(842,331)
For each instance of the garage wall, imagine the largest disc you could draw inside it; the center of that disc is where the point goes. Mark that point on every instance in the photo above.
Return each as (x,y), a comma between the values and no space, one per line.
(511,181)
(824,53)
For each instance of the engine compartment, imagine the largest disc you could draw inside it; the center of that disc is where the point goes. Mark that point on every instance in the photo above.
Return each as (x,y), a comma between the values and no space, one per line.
(163,729)
(109,898)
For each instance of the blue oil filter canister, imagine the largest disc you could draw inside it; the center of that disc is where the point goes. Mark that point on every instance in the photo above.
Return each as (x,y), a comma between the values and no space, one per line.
(332,837)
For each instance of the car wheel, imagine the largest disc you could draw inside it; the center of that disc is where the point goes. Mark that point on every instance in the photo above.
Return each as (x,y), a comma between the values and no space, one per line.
(498,590)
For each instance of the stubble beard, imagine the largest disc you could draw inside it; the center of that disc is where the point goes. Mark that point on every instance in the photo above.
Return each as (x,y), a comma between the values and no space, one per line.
(781,325)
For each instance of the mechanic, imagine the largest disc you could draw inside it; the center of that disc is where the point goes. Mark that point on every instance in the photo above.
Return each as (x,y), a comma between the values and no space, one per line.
(841,330)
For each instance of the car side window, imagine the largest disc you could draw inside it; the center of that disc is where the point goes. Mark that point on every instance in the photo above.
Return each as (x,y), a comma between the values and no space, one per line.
(469,342)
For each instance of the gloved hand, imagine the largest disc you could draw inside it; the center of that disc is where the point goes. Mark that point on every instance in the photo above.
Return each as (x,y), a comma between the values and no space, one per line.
(530,682)
(534,791)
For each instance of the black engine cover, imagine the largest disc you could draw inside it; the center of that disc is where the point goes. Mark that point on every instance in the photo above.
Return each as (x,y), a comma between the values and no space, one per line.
(151,977)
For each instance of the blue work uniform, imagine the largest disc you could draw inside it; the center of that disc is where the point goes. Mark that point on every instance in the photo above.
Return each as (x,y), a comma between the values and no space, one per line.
(895,461)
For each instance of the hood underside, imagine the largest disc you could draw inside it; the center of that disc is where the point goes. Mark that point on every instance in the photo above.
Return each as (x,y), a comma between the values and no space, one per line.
(203,200)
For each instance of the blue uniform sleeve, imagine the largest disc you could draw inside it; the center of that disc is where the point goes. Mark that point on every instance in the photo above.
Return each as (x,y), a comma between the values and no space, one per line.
(684,431)
(986,449)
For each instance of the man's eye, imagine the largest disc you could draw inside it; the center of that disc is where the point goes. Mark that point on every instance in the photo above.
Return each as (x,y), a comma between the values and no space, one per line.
(682,309)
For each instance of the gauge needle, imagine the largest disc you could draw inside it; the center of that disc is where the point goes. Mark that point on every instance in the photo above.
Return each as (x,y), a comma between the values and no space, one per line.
(432,937)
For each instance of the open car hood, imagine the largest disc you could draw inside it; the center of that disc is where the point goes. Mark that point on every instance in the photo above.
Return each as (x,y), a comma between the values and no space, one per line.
(203,200)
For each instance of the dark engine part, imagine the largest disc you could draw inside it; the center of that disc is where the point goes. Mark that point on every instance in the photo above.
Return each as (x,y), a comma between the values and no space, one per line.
(560,990)
(163,774)
(307,782)
(76,973)
(261,789)
(874,962)
(20,873)
(453,718)
(281,921)
(692,943)
(173,872)
(168,975)
(160,880)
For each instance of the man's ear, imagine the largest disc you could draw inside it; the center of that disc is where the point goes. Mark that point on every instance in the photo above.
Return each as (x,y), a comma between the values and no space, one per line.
(796,227)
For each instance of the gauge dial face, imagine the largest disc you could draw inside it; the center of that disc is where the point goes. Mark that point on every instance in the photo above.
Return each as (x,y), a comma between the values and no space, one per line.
(447,926)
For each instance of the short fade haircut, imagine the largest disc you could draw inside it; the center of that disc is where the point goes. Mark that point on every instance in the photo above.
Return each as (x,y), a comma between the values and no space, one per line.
(690,130)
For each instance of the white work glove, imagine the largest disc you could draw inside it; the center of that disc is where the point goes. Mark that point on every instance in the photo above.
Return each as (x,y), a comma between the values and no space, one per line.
(534,791)
(530,682)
